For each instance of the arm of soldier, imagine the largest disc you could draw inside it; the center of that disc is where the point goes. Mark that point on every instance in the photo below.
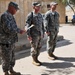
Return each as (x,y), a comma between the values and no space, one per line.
(10,28)
(18,30)
(5,21)
(28,24)
(46,21)
(57,26)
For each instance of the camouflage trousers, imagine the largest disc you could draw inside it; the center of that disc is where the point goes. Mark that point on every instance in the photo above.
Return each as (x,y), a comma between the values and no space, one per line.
(8,59)
(35,45)
(51,42)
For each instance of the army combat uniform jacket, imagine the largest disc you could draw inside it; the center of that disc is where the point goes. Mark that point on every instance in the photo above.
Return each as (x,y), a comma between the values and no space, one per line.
(37,21)
(8,37)
(51,21)
(51,24)
(8,29)
(35,32)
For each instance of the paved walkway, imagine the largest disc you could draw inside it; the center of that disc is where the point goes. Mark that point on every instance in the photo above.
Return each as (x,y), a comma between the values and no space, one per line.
(65,50)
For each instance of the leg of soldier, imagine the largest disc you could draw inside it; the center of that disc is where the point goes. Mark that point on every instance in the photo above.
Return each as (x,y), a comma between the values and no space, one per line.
(35,50)
(12,56)
(39,44)
(5,50)
(39,47)
(12,61)
(54,45)
(54,42)
(51,43)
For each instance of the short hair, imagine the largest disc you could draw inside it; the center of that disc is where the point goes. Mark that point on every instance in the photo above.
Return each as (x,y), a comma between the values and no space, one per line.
(48,5)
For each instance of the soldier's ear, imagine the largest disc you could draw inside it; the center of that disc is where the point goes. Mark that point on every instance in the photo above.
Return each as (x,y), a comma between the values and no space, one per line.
(33,7)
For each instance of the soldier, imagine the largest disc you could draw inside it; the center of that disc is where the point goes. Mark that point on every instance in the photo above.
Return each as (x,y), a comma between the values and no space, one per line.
(51,24)
(36,33)
(8,38)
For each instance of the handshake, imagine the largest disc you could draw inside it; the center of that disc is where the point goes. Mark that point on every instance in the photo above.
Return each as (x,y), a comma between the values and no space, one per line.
(24,31)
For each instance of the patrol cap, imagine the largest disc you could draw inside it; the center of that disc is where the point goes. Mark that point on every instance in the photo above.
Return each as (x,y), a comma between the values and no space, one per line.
(15,5)
(36,4)
(53,3)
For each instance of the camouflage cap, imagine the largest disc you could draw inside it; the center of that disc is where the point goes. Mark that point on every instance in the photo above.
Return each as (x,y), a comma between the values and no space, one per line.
(53,3)
(15,5)
(36,4)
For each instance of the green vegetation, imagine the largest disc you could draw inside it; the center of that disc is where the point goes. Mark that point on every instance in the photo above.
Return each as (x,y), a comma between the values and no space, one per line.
(70,3)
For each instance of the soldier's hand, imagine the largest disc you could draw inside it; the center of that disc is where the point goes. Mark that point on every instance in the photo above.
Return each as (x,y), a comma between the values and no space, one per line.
(48,33)
(22,31)
(30,38)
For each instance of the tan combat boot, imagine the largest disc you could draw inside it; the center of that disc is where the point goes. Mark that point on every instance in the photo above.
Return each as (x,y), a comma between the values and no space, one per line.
(52,56)
(36,61)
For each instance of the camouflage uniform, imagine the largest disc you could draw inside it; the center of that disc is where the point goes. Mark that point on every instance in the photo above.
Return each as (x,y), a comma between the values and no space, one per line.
(51,25)
(8,36)
(35,32)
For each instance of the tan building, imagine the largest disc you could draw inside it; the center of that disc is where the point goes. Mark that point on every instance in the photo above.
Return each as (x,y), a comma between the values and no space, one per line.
(26,7)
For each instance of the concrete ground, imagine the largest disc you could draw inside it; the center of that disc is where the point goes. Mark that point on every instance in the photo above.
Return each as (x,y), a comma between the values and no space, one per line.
(65,50)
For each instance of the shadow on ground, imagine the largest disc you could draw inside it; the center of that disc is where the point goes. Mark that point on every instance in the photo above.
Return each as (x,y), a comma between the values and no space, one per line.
(58,68)
(64,42)
(57,65)
(66,71)
(68,59)
(22,55)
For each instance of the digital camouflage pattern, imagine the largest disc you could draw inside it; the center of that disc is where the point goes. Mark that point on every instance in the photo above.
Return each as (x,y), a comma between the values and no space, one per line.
(35,32)
(8,37)
(8,29)
(51,23)
(8,58)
